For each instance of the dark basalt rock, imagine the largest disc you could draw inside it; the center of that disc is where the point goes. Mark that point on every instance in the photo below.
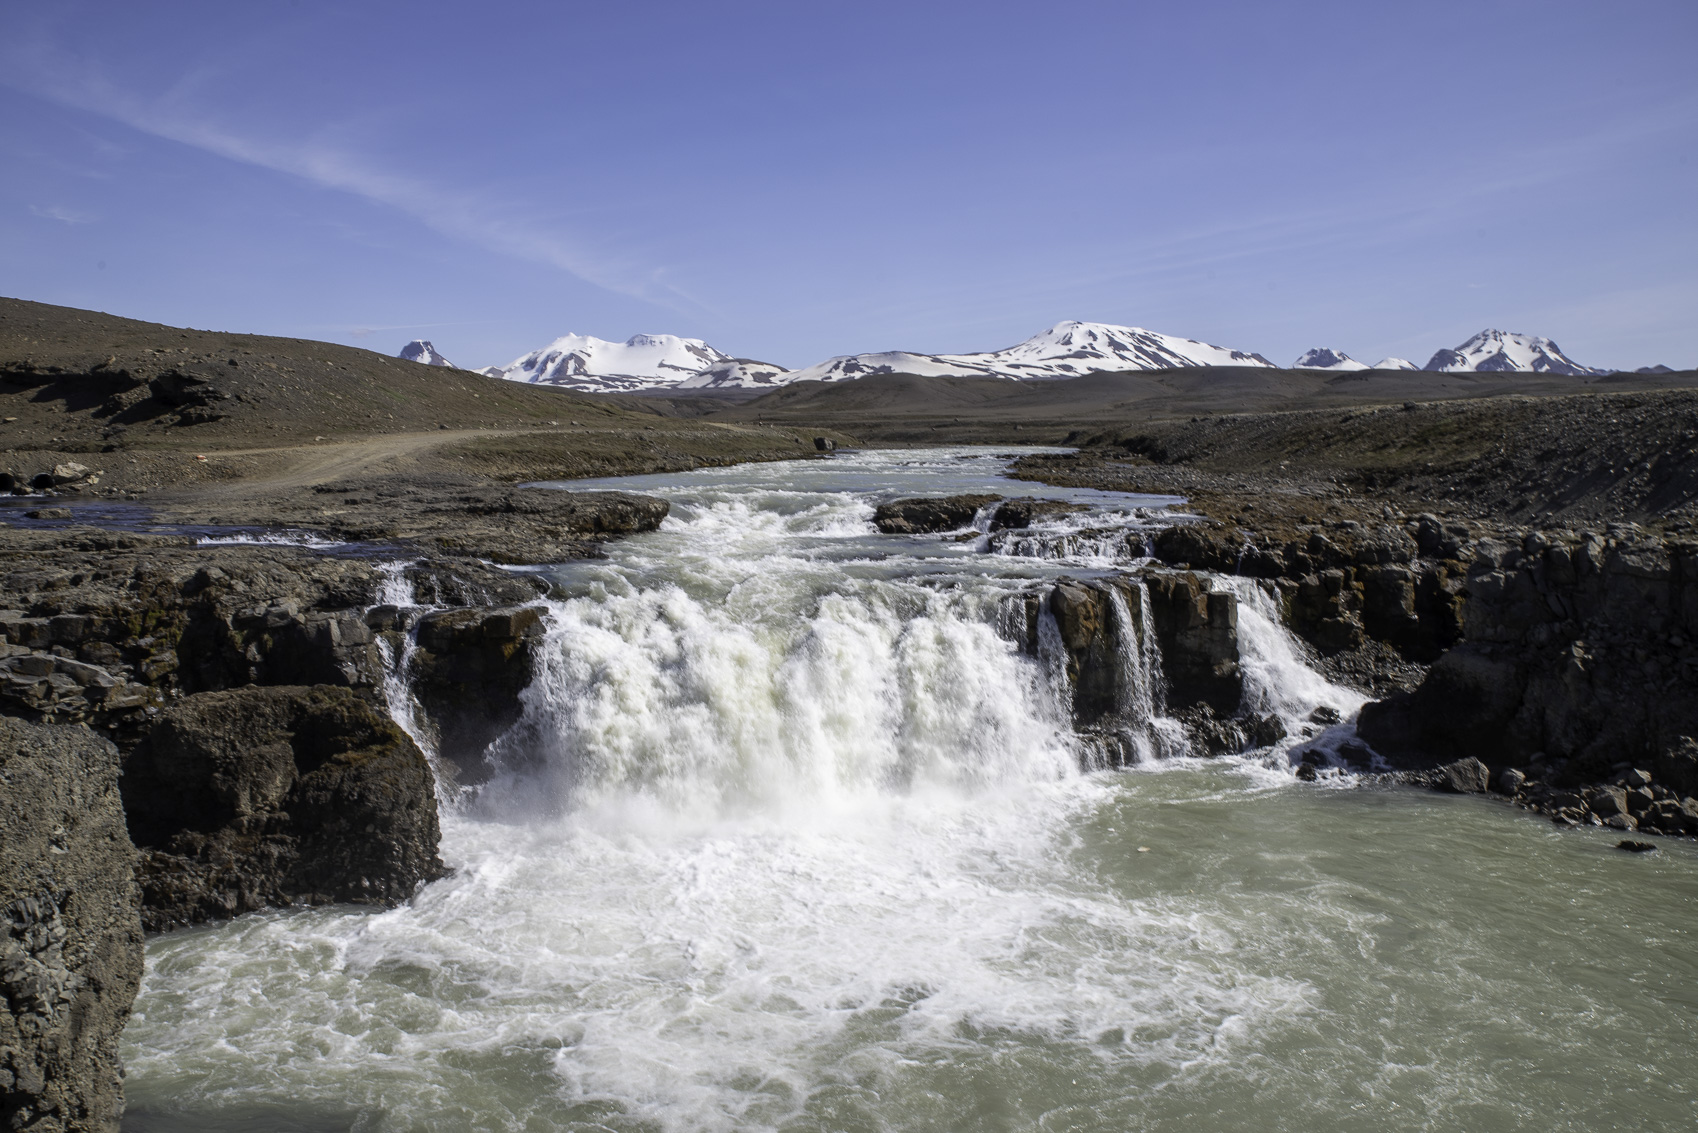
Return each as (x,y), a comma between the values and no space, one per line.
(71,937)
(1022,513)
(1579,655)
(274,796)
(1212,735)
(1198,631)
(1464,777)
(1468,698)
(928,515)
(1366,584)
(1091,636)
(468,671)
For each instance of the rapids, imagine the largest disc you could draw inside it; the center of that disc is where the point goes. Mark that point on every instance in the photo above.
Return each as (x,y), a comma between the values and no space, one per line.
(792,836)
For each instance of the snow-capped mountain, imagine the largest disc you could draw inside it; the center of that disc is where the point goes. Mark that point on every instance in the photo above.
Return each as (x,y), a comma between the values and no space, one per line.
(1395,364)
(1065,350)
(643,361)
(420,350)
(1496,350)
(1324,359)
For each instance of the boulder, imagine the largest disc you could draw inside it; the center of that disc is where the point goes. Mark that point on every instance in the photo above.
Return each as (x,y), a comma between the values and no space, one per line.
(69,473)
(1606,802)
(71,939)
(274,796)
(612,513)
(1464,777)
(1463,707)
(1510,781)
(928,515)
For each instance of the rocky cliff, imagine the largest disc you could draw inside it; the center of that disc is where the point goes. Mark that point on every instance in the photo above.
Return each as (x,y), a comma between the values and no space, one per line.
(1578,669)
(1143,643)
(243,687)
(1558,666)
(276,796)
(71,947)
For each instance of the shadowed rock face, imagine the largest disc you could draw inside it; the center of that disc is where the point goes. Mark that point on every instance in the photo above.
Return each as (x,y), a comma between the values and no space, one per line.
(1196,630)
(1581,650)
(275,796)
(71,938)
(468,671)
(1093,637)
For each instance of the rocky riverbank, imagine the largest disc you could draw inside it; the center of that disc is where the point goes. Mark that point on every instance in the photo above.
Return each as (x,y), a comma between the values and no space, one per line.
(189,732)
(1555,665)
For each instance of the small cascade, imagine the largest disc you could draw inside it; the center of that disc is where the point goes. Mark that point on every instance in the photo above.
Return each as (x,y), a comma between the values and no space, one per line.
(1102,538)
(1277,678)
(1094,544)
(394,587)
(1279,682)
(397,648)
(1148,731)
(1241,678)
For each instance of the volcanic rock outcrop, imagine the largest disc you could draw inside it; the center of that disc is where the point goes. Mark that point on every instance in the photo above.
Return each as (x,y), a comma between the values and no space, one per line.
(71,944)
(926,515)
(274,796)
(1580,656)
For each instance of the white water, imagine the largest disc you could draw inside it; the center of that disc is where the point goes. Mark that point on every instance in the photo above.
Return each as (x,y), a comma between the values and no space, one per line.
(792,837)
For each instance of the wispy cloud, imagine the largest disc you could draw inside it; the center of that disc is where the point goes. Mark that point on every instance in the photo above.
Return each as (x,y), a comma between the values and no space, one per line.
(63,215)
(38,67)
(366,332)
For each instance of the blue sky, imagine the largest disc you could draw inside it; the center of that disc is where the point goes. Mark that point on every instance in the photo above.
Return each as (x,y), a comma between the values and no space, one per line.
(791,181)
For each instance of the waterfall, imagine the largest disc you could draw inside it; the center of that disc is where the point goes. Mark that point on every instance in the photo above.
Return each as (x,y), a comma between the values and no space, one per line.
(396,590)
(1277,677)
(1142,709)
(702,708)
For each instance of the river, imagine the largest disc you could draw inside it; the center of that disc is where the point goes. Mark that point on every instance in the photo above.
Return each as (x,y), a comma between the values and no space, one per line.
(792,837)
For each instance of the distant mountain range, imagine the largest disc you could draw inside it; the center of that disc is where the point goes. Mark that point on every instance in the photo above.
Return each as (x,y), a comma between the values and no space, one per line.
(1323,359)
(647,362)
(1065,350)
(641,362)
